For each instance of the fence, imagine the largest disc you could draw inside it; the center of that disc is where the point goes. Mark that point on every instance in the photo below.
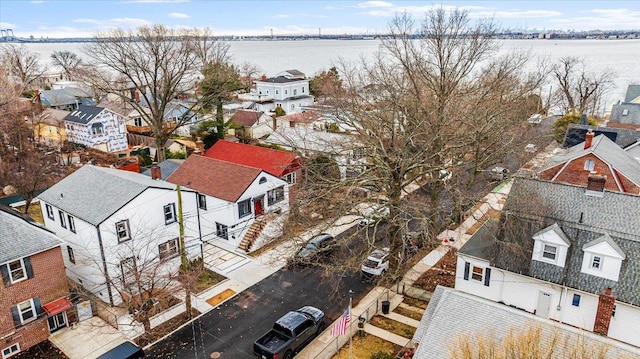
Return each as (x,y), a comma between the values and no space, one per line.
(334,345)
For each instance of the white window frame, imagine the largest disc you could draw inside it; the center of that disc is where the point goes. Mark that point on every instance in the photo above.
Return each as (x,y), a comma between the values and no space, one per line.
(479,276)
(248,211)
(137,121)
(276,195)
(222,231)
(589,165)
(123,227)
(169,249)
(97,129)
(72,224)
(32,308)
(596,262)
(10,351)
(202,201)
(72,256)
(63,222)
(130,265)
(24,271)
(169,211)
(290,178)
(545,251)
(50,213)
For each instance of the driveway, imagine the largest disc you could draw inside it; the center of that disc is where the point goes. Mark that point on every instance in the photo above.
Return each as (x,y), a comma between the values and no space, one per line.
(230,329)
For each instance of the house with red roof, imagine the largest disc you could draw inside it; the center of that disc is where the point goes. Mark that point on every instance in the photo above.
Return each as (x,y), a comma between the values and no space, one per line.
(235,201)
(282,164)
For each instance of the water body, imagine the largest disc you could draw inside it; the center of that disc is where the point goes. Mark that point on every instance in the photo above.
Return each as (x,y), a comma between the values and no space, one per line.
(312,56)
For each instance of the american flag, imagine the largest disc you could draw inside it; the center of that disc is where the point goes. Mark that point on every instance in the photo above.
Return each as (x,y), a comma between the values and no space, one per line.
(340,328)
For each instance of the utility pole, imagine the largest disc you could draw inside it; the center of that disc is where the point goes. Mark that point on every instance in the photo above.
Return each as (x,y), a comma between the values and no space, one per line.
(183,256)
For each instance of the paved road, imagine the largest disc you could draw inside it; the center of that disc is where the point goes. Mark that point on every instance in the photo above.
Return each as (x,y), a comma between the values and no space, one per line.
(231,328)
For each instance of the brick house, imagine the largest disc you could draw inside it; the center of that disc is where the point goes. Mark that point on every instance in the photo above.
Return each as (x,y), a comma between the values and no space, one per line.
(35,295)
(597,158)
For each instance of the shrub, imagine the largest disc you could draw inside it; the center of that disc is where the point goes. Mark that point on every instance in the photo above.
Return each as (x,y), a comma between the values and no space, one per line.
(561,125)
(381,355)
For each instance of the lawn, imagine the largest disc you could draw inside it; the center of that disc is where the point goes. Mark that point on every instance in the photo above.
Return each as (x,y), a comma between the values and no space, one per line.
(415,302)
(363,348)
(393,326)
(408,313)
(442,273)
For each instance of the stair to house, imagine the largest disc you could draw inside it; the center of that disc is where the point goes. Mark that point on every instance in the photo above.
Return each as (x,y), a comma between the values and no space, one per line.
(252,234)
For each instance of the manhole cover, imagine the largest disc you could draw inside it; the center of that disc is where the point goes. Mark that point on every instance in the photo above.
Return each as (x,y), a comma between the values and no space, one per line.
(215,355)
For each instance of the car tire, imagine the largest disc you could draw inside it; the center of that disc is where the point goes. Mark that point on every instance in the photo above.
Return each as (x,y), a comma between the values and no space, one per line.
(321,328)
(288,355)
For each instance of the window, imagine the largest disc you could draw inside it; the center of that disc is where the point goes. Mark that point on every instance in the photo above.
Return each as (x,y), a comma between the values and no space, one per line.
(295,92)
(63,222)
(122,231)
(169,213)
(137,121)
(169,249)
(549,252)
(576,300)
(290,178)
(262,180)
(476,273)
(276,195)
(49,211)
(97,129)
(72,257)
(72,224)
(285,92)
(202,201)
(596,262)
(10,351)
(128,266)
(221,231)
(625,112)
(17,271)
(244,208)
(27,311)
(589,165)
(303,90)
(276,92)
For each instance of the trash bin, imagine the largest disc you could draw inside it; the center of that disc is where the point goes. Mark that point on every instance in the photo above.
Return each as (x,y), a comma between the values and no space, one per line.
(385,306)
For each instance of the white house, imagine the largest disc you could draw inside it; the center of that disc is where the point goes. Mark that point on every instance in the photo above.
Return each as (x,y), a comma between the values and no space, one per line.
(231,197)
(116,222)
(97,127)
(255,124)
(561,252)
(348,154)
(288,89)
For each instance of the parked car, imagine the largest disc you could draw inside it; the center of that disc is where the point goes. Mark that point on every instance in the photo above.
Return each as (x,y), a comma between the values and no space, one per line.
(320,245)
(126,350)
(377,263)
(535,118)
(290,334)
(499,173)
(373,214)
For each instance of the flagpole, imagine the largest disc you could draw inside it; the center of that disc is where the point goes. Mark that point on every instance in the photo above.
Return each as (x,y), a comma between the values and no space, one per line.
(350,336)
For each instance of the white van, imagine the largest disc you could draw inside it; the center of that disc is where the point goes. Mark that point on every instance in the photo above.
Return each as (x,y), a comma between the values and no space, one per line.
(377,263)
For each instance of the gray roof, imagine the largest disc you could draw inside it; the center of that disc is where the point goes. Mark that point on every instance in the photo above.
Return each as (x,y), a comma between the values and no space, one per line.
(608,151)
(633,92)
(93,193)
(58,97)
(630,116)
(279,80)
(84,114)
(167,167)
(452,314)
(20,236)
(582,218)
(622,137)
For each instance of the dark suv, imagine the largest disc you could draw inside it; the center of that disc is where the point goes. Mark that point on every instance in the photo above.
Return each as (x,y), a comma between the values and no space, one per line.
(320,245)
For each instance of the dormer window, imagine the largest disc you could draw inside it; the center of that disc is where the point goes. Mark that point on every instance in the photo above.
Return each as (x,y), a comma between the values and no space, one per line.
(602,258)
(551,246)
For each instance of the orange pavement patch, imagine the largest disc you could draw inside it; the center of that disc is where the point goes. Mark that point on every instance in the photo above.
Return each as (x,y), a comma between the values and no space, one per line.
(219,298)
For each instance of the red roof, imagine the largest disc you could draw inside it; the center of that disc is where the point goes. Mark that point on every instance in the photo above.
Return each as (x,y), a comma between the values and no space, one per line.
(275,162)
(216,178)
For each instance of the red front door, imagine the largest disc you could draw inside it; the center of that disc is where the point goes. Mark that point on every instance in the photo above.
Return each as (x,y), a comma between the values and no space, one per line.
(258,206)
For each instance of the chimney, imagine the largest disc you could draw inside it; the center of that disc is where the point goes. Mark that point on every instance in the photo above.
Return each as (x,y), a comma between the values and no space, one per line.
(596,182)
(156,173)
(263,77)
(588,139)
(199,146)
(606,305)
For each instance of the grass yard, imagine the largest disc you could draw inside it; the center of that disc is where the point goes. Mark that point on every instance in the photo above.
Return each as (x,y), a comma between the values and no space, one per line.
(408,313)
(415,302)
(363,348)
(393,326)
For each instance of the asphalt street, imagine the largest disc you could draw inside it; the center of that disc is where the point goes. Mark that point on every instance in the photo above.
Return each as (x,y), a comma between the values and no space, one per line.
(231,328)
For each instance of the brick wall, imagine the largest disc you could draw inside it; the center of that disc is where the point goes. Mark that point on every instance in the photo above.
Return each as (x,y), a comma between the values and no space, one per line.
(49,282)
(574,173)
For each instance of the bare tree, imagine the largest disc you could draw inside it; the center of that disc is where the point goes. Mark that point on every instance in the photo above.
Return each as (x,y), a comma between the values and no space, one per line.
(430,109)
(21,64)
(579,89)
(158,63)
(68,61)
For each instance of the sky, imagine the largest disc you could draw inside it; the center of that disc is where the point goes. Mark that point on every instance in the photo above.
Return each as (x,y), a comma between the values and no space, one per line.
(85,18)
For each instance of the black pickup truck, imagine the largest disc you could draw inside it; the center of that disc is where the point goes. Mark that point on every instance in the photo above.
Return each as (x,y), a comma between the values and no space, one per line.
(290,334)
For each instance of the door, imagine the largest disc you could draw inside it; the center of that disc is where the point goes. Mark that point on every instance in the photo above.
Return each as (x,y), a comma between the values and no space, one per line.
(257,202)
(57,322)
(544,302)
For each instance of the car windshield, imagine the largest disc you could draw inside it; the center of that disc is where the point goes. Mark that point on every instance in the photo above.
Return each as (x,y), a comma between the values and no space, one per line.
(371,263)
(312,246)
